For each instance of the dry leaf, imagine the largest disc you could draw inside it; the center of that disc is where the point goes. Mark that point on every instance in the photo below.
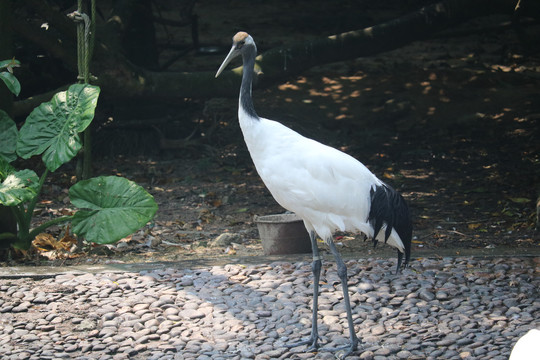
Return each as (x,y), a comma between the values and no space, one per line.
(206,216)
(230,251)
(216,203)
(520,200)
(46,242)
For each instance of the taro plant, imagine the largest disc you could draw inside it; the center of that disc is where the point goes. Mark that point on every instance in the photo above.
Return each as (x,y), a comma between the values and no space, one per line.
(109,207)
(6,74)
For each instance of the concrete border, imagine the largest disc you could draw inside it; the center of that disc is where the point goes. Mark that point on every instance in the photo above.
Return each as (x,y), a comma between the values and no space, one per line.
(41,272)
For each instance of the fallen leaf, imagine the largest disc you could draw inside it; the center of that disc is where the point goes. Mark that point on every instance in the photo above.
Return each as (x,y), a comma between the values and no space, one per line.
(68,240)
(205,215)
(520,200)
(230,251)
(46,242)
(216,203)
(66,212)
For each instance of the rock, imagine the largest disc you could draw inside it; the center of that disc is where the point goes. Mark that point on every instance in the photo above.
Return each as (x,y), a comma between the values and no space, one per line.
(366,287)
(404,354)
(139,307)
(6,308)
(225,240)
(426,295)
(40,300)
(378,330)
(191,314)
(71,348)
(30,338)
(513,310)
(253,311)
(441,295)
(367,355)
(86,325)
(23,307)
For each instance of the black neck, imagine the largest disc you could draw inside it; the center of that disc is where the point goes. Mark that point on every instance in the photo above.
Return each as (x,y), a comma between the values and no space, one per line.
(246,102)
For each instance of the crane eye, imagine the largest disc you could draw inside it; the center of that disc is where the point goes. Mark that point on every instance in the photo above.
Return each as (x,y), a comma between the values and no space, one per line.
(240,44)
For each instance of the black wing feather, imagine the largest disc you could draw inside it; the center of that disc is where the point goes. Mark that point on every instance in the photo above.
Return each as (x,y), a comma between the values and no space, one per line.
(389,208)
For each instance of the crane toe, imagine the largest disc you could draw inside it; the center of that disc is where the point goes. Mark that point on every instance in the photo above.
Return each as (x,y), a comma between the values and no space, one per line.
(343,351)
(313,343)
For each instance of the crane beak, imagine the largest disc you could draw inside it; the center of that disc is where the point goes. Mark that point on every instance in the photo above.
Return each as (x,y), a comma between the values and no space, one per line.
(232,54)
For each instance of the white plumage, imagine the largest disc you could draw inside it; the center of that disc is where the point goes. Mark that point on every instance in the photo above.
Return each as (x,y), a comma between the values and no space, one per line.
(327,188)
(527,347)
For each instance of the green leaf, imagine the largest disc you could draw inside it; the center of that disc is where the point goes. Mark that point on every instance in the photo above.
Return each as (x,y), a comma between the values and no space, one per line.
(17,186)
(4,63)
(9,64)
(5,169)
(53,128)
(8,137)
(11,82)
(112,208)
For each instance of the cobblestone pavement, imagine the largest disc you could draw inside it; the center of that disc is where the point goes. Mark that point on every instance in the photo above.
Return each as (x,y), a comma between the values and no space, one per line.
(449,308)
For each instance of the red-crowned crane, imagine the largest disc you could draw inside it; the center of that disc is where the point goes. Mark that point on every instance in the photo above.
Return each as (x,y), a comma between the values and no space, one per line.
(327,188)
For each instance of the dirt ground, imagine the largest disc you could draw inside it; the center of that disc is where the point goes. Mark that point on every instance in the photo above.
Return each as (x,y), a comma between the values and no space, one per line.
(452,122)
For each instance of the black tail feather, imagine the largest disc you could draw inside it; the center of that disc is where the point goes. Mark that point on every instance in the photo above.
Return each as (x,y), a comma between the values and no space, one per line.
(389,208)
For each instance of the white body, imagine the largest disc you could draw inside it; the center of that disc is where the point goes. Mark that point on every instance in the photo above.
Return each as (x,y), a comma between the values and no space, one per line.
(527,347)
(327,188)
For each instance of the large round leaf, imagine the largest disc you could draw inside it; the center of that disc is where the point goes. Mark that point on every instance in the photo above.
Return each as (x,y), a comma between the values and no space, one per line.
(111,208)
(53,128)
(17,186)
(8,137)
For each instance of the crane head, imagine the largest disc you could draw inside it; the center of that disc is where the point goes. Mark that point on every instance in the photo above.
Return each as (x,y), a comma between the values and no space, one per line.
(240,41)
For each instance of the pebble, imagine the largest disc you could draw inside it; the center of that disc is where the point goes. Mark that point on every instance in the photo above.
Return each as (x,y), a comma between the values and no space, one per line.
(451,308)
(378,330)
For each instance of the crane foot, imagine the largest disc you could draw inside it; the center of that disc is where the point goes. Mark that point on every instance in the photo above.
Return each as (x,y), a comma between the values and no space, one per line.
(343,351)
(313,342)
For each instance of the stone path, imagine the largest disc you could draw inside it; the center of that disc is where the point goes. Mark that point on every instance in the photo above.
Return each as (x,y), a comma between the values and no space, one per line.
(462,308)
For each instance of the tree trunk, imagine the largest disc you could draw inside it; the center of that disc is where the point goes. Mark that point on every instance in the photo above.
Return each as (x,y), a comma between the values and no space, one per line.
(132,24)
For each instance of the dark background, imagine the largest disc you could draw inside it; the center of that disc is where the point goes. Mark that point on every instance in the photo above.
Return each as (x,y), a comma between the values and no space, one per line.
(450,120)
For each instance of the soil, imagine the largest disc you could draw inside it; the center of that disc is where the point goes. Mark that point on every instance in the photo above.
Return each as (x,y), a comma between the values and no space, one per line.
(451,122)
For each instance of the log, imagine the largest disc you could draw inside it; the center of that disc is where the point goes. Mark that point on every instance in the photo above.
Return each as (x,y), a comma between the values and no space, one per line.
(118,77)
(292,59)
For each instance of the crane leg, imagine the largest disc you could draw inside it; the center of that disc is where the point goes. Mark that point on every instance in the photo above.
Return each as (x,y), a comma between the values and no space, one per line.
(316,265)
(342,273)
